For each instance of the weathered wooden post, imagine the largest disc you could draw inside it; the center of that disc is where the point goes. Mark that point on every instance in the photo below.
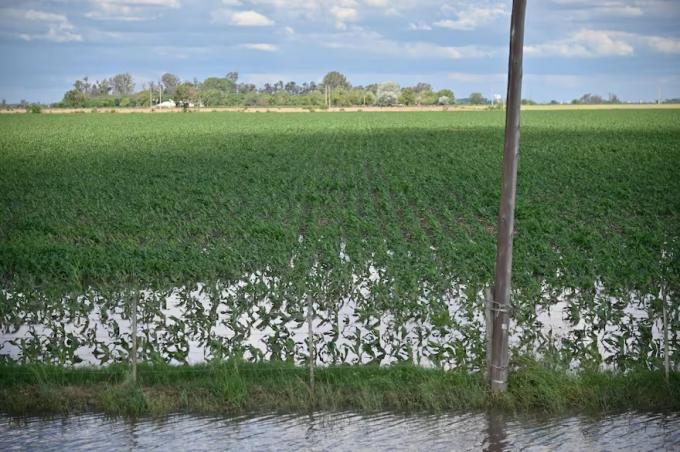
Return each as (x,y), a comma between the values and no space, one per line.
(500,306)
(133,347)
(666,349)
(312,348)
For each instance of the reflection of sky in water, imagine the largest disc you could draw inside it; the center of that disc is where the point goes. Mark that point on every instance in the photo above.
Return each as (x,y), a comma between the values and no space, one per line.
(415,338)
(347,431)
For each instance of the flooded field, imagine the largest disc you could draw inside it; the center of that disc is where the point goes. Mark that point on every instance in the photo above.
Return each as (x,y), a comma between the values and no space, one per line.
(347,431)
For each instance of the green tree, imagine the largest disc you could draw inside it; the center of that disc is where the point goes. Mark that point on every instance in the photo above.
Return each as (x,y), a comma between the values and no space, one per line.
(122,84)
(388,94)
(211,97)
(186,93)
(448,93)
(408,96)
(170,83)
(336,80)
(476,99)
(74,98)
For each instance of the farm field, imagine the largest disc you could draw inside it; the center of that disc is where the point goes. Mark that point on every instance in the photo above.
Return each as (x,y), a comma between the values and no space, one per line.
(243,217)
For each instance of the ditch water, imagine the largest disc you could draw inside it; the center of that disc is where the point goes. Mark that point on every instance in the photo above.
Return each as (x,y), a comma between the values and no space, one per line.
(346,431)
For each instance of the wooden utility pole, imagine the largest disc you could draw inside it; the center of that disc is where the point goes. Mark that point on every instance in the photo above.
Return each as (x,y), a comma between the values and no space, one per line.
(500,305)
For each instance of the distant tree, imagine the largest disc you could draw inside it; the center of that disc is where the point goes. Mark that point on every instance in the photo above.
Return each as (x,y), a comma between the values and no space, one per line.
(4,103)
(216,83)
(122,84)
(423,93)
(408,96)
(447,93)
(589,99)
(528,102)
(476,99)
(443,100)
(102,88)
(614,99)
(373,87)
(422,87)
(232,77)
(388,94)
(212,97)
(82,86)
(186,93)
(335,80)
(74,98)
(170,83)
(554,102)
(246,88)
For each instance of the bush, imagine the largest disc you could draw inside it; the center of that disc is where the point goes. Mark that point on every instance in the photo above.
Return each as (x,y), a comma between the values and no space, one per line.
(35,108)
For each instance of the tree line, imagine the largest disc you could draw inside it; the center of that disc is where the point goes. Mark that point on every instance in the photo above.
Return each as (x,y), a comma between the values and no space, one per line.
(333,91)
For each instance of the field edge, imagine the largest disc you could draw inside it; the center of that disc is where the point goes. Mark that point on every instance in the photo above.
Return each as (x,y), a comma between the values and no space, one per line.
(233,387)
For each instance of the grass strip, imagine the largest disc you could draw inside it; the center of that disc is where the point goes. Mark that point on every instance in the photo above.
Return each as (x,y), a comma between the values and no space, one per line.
(238,387)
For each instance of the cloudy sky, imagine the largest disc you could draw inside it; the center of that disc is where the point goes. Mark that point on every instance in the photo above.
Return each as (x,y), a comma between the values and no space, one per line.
(627,47)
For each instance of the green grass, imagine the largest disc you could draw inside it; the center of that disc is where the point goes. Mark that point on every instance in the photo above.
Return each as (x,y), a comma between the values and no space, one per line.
(233,388)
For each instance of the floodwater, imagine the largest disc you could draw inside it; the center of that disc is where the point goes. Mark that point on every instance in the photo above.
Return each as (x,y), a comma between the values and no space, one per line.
(346,431)
(204,318)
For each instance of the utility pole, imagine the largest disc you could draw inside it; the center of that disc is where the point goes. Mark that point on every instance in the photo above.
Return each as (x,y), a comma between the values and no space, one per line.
(500,305)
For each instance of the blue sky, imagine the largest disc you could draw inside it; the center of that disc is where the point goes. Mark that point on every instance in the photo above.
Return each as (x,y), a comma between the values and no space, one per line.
(631,48)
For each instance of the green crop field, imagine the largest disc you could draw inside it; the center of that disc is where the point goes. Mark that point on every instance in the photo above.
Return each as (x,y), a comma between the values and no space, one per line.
(395,211)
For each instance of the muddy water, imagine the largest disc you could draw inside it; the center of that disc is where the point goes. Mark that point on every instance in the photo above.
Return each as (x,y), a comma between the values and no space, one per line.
(346,431)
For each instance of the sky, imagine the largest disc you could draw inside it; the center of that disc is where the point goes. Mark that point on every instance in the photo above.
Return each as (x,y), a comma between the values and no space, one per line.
(629,48)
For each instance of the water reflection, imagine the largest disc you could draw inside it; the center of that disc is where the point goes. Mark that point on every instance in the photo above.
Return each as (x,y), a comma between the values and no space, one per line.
(496,438)
(493,431)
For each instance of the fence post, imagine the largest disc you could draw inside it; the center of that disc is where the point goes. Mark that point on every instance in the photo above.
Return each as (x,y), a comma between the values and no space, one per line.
(488,302)
(312,349)
(133,350)
(666,351)
(498,369)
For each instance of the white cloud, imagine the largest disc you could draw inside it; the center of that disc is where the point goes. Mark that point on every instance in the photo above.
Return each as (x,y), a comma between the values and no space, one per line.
(343,15)
(232,2)
(585,44)
(371,42)
(419,26)
(472,17)
(377,3)
(469,77)
(262,47)
(588,8)
(129,10)
(40,25)
(596,43)
(241,18)
(663,45)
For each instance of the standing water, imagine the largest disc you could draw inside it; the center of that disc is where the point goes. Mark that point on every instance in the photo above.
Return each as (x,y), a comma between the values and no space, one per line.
(346,431)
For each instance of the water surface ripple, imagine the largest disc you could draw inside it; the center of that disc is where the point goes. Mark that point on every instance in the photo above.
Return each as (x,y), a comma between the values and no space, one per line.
(346,431)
